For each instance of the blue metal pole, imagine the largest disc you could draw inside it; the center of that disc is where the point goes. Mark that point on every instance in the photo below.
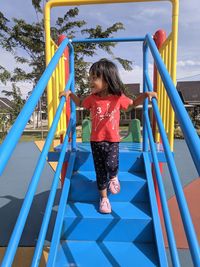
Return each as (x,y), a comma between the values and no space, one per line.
(106,40)
(47,215)
(184,211)
(45,223)
(14,134)
(191,137)
(72,104)
(61,212)
(185,214)
(19,226)
(145,104)
(167,220)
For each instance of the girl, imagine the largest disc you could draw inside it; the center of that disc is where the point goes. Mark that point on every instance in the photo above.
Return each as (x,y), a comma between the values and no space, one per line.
(105,102)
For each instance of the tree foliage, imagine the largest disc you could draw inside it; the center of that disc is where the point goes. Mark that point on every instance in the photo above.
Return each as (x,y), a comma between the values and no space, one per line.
(17,101)
(4,123)
(26,42)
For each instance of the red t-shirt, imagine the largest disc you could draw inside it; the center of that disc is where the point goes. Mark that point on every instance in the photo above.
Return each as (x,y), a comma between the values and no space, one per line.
(105,115)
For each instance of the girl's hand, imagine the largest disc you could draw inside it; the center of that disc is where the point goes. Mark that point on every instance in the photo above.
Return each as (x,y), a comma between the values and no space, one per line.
(150,95)
(66,94)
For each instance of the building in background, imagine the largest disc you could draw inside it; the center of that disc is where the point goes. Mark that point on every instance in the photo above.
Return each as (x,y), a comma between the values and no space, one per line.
(132,89)
(189,92)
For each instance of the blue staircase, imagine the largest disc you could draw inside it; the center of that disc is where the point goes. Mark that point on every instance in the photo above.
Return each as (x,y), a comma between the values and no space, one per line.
(122,238)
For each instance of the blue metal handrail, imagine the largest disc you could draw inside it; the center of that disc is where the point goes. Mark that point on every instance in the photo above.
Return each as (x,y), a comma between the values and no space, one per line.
(19,226)
(191,137)
(17,129)
(49,206)
(71,127)
(72,104)
(107,40)
(145,105)
(149,134)
(183,119)
(61,209)
(182,203)
(166,215)
(61,212)
(159,239)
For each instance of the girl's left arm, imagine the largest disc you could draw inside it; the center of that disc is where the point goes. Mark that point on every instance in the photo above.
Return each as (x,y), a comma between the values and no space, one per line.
(139,100)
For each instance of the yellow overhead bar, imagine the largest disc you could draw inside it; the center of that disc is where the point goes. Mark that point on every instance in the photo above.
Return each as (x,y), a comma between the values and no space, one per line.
(57,3)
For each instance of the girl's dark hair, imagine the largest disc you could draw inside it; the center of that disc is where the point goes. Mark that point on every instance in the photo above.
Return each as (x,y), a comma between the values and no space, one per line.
(108,71)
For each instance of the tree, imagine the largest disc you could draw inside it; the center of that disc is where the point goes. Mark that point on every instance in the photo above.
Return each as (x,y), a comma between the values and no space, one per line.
(30,37)
(17,101)
(4,122)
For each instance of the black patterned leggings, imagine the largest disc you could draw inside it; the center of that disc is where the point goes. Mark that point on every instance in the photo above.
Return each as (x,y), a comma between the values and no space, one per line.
(106,161)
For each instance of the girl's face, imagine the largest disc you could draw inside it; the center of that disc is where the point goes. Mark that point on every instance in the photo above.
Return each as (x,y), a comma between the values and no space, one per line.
(97,84)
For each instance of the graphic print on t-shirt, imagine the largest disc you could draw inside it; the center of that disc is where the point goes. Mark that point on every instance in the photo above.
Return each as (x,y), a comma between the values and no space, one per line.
(99,116)
(105,116)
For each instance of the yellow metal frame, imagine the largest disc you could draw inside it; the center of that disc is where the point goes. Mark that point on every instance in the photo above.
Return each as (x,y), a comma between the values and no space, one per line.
(165,107)
(168,53)
(56,85)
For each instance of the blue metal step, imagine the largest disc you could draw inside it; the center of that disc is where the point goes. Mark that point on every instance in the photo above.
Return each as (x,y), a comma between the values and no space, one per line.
(128,222)
(84,188)
(128,160)
(106,254)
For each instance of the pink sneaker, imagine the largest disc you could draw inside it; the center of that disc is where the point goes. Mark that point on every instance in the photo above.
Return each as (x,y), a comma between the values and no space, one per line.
(105,206)
(114,186)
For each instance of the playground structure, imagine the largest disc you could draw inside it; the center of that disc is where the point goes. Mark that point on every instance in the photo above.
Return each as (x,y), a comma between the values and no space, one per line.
(168,51)
(134,131)
(119,240)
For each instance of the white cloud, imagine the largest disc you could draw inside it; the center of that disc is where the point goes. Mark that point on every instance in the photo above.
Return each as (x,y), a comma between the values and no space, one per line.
(25,87)
(189,13)
(188,70)
(7,60)
(151,13)
(187,63)
(9,63)
(136,75)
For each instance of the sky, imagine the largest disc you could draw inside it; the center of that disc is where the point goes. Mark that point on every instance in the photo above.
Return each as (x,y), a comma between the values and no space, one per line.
(138,19)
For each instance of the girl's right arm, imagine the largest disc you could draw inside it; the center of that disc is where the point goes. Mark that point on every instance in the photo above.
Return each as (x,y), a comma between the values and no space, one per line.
(74,97)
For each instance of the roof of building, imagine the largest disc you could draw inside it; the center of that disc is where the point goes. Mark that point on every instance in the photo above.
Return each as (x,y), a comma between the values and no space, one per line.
(5,104)
(189,91)
(133,88)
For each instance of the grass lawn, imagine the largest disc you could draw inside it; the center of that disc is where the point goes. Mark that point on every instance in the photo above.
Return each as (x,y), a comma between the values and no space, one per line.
(28,137)
(36,136)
